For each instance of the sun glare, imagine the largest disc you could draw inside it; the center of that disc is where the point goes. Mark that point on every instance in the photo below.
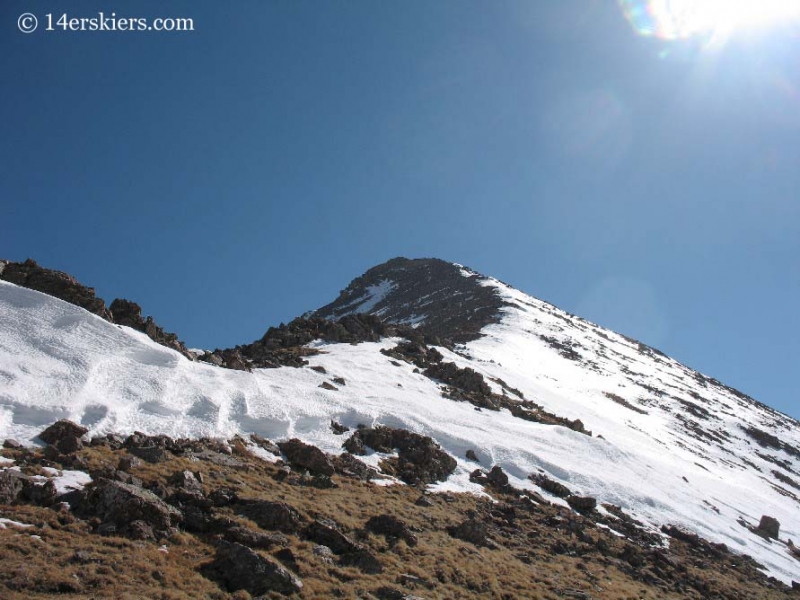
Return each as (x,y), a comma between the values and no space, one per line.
(713,19)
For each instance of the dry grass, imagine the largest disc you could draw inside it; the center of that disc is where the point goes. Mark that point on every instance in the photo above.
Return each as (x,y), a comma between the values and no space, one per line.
(72,562)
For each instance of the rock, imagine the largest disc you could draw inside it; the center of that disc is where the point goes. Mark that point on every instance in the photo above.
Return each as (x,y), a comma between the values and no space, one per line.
(348,465)
(769,527)
(305,456)
(326,533)
(12,485)
(68,445)
(140,530)
(223,497)
(472,456)
(424,501)
(121,504)
(319,369)
(582,503)
(55,283)
(43,495)
(127,313)
(472,531)
(211,358)
(287,557)
(11,444)
(126,463)
(255,539)
(339,381)
(547,484)
(265,444)
(186,481)
(325,554)
(271,515)
(420,460)
(63,432)
(327,386)
(338,428)
(392,527)
(478,476)
(389,593)
(497,477)
(363,560)
(151,454)
(240,568)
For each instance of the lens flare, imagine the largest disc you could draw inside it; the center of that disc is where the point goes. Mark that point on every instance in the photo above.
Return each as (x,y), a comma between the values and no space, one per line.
(682,19)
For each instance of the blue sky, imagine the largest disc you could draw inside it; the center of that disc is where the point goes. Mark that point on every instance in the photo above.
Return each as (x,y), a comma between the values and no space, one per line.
(236,176)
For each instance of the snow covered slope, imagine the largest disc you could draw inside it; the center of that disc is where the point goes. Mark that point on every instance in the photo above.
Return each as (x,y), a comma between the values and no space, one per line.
(669,445)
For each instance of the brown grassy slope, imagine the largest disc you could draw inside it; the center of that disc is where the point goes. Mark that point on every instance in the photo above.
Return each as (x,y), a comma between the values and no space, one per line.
(533,550)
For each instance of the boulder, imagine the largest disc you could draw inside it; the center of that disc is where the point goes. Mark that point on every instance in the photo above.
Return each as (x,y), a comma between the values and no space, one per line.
(265,444)
(326,533)
(348,465)
(497,477)
(241,568)
(187,482)
(271,515)
(769,527)
(362,560)
(338,428)
(121,504)
(391,527)
(472,456)
(472,531)
(582,503)
(126,463)
(305,456)
(12,485)
(151,454)
(64,435)
(549,485)
(11,444)
(255,539)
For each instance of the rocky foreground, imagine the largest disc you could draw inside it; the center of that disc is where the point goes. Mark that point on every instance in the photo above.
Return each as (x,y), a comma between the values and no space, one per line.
(247,518)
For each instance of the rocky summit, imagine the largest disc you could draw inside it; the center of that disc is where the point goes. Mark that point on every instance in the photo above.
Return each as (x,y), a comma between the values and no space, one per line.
(431,433)
(444,301)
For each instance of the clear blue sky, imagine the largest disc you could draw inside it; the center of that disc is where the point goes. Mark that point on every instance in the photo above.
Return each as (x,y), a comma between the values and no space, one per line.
(236,176)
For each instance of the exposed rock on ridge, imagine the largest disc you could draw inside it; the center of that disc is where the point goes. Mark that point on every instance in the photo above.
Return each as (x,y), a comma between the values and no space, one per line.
(441,300)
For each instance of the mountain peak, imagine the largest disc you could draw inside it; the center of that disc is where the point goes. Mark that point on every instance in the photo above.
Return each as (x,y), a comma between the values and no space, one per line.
(438,298)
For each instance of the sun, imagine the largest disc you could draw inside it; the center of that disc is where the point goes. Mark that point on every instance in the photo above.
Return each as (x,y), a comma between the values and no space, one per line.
(713,19)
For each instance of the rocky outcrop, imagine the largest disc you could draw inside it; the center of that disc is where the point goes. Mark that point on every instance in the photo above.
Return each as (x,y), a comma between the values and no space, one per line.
(327,533)
(446,302)
(305,456)
(769,527)
(65,287)
(54,283)
(12,486)
(127,313)
(420,460)
(64,435)
(241,568)
(549,485)
(121,505)
(582,503)
(391,527)
(277,516)
(471,530)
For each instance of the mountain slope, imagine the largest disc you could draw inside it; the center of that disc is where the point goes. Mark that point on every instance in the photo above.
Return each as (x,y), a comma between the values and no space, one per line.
(668,445)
